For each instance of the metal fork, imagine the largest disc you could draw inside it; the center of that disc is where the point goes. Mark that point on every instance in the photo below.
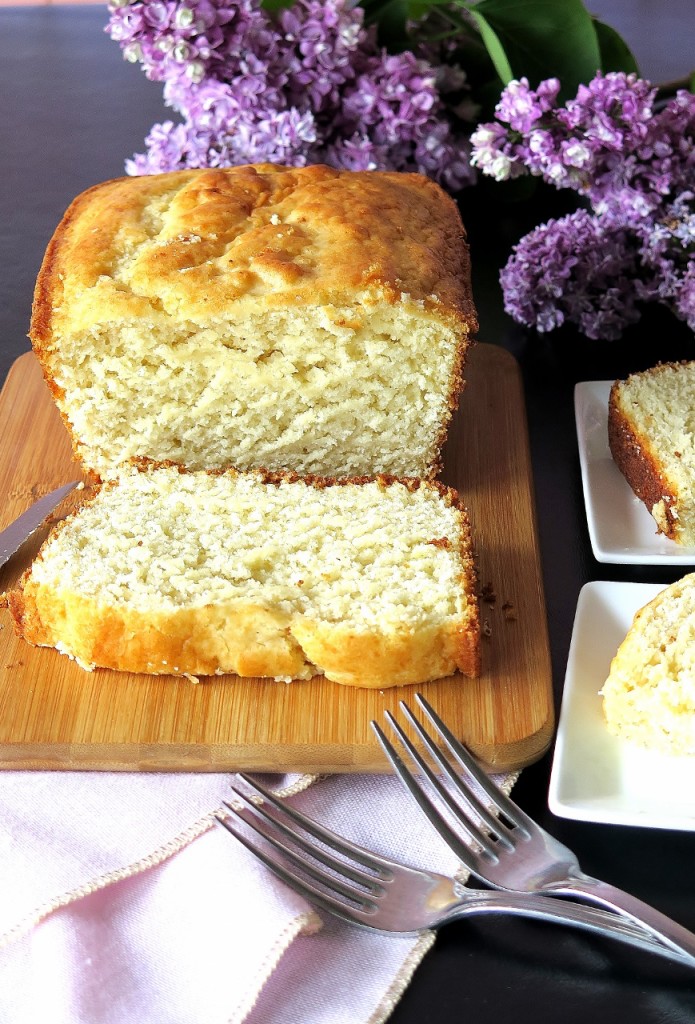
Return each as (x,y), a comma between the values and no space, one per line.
(511,852)
(367,889)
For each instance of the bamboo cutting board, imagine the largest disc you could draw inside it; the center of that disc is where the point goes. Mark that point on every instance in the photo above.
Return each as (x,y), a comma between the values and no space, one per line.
(55,715)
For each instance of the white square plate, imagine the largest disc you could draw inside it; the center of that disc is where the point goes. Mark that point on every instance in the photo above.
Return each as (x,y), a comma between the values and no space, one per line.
(620,527)
(595,776)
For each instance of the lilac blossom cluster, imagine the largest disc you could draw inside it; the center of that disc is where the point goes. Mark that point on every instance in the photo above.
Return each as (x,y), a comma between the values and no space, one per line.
(306,85)
(633,162)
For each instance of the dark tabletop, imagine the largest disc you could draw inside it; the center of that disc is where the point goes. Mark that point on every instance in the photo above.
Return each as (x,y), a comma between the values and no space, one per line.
(71,111)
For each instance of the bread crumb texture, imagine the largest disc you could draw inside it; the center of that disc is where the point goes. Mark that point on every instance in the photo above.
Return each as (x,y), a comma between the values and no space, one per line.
(199,573)
(651,429)
(306,319)
(649,696)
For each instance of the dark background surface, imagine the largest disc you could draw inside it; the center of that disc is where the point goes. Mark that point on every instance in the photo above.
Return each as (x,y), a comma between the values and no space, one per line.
(71,112)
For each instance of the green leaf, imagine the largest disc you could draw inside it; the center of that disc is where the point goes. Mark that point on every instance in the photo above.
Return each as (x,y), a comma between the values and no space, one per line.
(615,53)
(273,6)
(543,39)
(419,8)
(494,47)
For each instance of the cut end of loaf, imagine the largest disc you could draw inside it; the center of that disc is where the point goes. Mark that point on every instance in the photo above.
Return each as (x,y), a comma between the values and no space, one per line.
(288,318)
(371,583)
(316,391)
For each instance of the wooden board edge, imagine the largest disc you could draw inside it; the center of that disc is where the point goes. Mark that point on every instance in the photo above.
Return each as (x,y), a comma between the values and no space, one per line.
(332,760)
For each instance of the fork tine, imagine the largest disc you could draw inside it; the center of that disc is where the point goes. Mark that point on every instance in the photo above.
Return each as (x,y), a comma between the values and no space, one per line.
(450,837)
(490,820)
(379,866)
(356,914)
(466,760)
(339,884)
(368,881)
(484,839)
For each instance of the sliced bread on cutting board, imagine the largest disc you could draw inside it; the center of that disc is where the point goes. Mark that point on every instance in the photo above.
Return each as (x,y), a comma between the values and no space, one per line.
(163,571)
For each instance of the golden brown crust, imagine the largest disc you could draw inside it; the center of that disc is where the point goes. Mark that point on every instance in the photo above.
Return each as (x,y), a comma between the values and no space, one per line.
(240,638)
(247,638)
(412,483)
(465,636)
(640,466)
(194,242)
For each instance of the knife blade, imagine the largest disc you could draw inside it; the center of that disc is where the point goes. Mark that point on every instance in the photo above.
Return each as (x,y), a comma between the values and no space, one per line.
(22,528)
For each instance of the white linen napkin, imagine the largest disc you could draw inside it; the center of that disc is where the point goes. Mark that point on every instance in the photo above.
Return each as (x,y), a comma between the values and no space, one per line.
(122,900)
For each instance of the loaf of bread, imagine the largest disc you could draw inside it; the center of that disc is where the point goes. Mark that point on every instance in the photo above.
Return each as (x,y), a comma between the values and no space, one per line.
(649,696)
(370,583)
(651,432)
(309,320)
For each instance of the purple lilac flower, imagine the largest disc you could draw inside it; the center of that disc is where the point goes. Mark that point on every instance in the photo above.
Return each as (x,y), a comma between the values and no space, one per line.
(522,107)
(395,105)
(634,165)
(324,48)
(495,154)
(668,250)
(608,142)
(186,39)
(572,270)
(310,85)
(685,297)
(613,111)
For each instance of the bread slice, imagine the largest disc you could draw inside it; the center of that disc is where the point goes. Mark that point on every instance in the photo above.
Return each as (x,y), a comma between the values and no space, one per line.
(651,432)
(649,696)
(370,582)
(302,319)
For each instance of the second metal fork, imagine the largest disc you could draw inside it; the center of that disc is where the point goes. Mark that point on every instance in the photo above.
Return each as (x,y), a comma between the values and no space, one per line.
(497,841)
(364,888)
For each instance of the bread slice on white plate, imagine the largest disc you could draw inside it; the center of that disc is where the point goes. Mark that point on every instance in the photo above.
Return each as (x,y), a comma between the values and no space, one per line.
(651,431)
(649,696)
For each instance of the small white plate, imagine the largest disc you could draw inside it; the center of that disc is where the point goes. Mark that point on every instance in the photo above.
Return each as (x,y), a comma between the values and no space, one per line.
(595,776)
(620,527)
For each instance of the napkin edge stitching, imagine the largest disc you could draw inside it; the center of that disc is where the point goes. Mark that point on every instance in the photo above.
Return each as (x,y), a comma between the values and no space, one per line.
(158,856)
(306,923)
(400,982)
